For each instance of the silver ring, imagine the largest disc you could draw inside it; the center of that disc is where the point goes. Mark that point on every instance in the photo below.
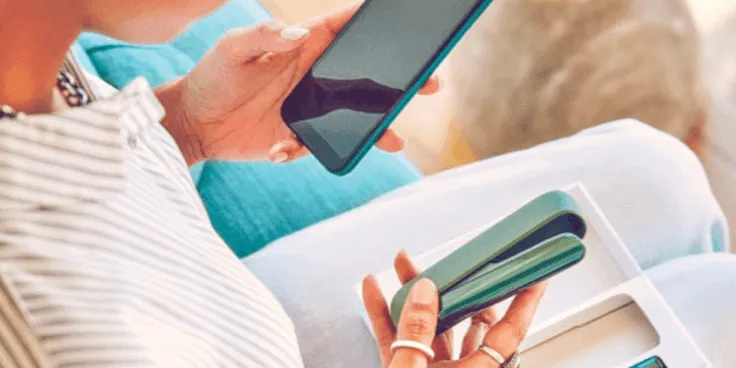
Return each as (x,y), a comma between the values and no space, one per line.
(413,345)
(513,362)
(493,354)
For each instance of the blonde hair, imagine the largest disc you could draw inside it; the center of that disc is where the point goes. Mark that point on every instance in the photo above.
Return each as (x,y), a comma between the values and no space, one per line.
(533,70)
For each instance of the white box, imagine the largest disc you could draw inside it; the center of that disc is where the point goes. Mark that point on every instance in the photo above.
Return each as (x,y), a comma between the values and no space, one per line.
(620,328)
(607,286)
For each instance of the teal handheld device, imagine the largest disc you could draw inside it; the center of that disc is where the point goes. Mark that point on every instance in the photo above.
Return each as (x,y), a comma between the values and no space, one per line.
(532,244)
(375,65)
(653,362)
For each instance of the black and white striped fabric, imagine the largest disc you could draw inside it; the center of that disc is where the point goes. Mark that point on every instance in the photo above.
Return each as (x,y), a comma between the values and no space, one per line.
(107,257)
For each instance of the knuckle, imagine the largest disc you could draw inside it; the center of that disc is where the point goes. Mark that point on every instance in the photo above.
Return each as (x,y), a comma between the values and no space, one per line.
(420,324)
(418,327)
(514,333)
(267,28)
(263,30)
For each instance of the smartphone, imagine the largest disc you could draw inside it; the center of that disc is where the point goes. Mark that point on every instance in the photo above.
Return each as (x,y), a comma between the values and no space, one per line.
(375,65)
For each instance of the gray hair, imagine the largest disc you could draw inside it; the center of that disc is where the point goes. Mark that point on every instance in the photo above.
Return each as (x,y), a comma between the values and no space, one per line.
(534,70)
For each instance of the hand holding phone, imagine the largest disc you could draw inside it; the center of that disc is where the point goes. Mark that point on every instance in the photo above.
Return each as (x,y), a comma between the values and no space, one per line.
(228,107)
(375,65)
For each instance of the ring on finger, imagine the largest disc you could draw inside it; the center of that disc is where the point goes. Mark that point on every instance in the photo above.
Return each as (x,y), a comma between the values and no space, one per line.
(413,345)
(512,362)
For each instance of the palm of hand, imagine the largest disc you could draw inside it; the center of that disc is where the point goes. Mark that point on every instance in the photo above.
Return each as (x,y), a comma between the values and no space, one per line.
(231,102)
(233,97)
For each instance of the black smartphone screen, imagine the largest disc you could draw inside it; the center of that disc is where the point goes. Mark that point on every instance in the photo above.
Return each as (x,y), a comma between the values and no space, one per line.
(367,71)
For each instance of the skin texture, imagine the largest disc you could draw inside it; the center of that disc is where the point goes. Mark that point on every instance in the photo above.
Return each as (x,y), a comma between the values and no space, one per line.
(419,322)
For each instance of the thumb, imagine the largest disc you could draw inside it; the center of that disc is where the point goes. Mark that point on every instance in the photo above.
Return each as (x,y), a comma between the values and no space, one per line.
(247,44)
(418,324)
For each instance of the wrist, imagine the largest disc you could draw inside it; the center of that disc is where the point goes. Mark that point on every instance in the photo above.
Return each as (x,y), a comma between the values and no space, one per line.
(178,123)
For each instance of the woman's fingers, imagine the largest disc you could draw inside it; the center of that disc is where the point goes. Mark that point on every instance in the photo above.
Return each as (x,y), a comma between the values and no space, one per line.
(377,309)
(291,149)
(442,346)
(391,141)
(418,324)
(473,338)
(432,86)
(284,151)
(405,269)
(248,44)
(507,334)
(479,326)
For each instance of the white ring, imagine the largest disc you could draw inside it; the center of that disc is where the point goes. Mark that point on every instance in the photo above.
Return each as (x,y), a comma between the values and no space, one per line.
(493,354)
(413,345)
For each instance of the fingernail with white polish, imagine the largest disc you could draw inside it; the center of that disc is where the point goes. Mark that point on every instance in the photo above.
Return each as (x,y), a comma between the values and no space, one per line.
(294,33)
(279,157)
(276,148)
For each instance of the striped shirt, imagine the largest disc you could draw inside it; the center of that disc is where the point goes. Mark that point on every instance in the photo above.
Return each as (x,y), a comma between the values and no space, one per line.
(107,256)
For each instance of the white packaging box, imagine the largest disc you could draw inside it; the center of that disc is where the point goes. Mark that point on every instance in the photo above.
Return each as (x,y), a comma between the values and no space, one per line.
(605,290)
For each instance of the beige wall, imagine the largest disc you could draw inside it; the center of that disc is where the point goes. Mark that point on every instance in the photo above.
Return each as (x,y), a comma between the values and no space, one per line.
(293,11)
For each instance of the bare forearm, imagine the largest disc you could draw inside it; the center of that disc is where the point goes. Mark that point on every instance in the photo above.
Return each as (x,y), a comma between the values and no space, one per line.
(177,123)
